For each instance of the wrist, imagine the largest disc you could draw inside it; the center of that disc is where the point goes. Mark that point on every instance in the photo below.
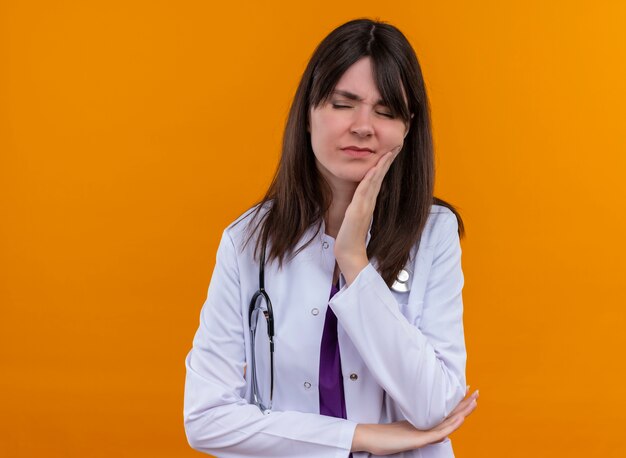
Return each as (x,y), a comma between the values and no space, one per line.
(352,267)
(360,439)
(388,439)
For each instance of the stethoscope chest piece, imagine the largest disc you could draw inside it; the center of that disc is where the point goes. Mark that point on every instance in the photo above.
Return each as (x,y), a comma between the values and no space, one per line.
(402,283)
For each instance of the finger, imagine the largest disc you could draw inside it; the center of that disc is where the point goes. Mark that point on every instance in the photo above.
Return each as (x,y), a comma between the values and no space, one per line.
(384,162)
(456,420)
(469,409)
(442,431)
(370,185)
(387,160)
(372,181)
(469,412)
(465,412)
(469,404)
(461,405)
(367,191)
(379,169)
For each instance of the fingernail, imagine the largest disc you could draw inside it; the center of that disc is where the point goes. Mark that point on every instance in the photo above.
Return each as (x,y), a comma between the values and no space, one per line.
(467,388)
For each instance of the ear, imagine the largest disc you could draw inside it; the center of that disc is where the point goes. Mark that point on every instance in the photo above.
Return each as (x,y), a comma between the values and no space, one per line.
(408,126)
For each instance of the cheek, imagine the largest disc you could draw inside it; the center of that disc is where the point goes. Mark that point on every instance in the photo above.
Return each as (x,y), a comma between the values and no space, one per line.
(392,136)
(324,131)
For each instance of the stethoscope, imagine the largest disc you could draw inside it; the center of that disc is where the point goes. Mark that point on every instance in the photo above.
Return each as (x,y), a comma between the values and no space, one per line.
(261,298)
(256,307)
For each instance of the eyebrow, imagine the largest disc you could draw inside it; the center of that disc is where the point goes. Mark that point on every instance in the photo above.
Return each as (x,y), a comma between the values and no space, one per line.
(351,96)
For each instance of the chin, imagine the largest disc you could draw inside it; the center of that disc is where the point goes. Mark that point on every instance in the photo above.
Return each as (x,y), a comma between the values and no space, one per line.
(353,176)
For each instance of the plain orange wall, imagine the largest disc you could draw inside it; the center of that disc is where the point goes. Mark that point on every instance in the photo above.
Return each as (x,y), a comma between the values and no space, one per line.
(132,133)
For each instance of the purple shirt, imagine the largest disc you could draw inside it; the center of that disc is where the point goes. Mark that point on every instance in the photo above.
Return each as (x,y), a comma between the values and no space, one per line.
(332,398)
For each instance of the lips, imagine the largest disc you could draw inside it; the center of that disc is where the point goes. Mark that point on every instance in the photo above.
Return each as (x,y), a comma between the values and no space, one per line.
(356,148)
(355,151)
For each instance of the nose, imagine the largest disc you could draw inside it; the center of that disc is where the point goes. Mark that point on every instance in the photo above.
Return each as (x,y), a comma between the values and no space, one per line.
(362,123)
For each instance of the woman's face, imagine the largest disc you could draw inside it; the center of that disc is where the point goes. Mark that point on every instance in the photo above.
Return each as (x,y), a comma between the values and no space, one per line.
(353,130)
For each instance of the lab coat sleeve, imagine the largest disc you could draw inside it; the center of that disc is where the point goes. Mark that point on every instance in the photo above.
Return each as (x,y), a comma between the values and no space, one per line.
(421,365)
(217,418)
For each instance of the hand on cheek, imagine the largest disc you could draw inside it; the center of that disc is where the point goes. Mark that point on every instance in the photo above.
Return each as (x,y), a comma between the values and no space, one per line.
(350,249)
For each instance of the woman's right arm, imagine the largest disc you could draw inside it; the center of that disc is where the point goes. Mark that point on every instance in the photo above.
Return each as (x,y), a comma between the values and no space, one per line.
(217,417)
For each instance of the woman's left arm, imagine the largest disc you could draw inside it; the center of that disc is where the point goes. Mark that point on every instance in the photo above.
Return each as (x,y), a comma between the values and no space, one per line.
(421,367)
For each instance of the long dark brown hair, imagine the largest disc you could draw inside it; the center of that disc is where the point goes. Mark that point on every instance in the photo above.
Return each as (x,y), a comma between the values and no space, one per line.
(299,197)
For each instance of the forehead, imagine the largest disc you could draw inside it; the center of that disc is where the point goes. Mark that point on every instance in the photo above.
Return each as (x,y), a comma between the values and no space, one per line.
(359,80)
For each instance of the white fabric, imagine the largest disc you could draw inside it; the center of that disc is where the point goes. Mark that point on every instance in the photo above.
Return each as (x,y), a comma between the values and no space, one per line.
(402,353)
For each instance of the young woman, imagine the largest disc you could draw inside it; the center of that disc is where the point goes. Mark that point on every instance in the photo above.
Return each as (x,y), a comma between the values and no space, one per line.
(348,273)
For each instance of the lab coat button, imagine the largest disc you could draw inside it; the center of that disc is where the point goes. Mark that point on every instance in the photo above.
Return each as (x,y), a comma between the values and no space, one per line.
(353,377)
(325,245)
(307,385)
(315,312)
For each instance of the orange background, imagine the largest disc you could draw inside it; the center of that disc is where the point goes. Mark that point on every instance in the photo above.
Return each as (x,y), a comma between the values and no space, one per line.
(132,133)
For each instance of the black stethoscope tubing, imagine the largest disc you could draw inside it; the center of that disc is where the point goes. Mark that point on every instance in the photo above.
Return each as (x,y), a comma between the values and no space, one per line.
(253,312)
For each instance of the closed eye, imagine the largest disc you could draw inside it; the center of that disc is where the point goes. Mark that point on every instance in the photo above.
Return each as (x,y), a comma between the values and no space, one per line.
(386,115)
(339,106)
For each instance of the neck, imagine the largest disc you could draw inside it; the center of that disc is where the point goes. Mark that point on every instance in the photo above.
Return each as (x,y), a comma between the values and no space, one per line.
(342,194)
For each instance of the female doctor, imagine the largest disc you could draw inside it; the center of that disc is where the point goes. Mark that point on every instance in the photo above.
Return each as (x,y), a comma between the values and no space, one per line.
(353,343)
